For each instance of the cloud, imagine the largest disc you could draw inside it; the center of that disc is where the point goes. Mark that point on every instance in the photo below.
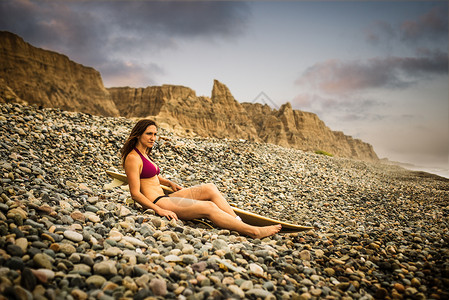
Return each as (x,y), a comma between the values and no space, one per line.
(431,26)
(339,109)
(128,73)
(96,33)
(343,77)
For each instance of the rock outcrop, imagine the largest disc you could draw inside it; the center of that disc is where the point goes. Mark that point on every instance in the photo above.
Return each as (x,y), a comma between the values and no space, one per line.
(36,76)
(222,116)
(49,79)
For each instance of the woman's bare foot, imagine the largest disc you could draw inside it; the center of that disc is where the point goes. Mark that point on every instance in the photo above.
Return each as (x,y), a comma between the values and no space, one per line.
(266,231)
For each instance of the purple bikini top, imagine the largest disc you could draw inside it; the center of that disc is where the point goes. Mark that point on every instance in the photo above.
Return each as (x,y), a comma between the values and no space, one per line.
(149,169)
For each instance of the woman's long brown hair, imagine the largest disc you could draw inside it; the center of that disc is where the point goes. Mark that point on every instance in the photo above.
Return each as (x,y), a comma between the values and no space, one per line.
(131,142)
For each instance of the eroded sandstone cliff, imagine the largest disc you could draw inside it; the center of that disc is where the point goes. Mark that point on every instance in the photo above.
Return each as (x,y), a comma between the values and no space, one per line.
(47,78)
(36,76)
(222,116)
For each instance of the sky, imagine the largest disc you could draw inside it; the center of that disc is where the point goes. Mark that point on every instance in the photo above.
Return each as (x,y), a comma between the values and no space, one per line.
(376,70)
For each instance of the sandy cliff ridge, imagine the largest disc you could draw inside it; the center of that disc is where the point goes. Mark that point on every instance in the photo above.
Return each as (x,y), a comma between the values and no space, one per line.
(45,78)
(222,116)
(50,79)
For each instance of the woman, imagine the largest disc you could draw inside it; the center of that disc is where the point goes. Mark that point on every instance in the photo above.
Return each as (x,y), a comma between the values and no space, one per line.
(204,201)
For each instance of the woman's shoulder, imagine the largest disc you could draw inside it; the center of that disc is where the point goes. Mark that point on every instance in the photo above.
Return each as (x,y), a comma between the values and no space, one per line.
(132,157)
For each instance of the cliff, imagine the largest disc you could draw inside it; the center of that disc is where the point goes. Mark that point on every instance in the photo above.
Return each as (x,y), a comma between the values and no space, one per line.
(36,76)
(49,79)
(304,130)
(222,116)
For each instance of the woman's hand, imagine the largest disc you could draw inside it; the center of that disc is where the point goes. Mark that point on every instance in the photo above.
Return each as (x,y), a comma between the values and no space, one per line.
(167,213)
(175,187)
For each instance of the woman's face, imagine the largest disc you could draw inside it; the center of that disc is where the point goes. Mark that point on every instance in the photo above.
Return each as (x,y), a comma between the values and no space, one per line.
(148,138)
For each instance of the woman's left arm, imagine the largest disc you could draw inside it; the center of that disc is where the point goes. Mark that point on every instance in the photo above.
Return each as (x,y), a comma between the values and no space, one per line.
(175,187)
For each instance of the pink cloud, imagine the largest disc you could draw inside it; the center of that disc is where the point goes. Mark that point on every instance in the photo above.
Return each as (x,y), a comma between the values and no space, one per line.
(342,77)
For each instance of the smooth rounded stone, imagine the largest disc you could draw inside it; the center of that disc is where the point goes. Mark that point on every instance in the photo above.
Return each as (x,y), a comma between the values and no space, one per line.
(123,211)
(81,269)
(78,216)
(126,226)
(76,227)
(43,261)
(22,243)
(305,255)
(199,266)
(158,287)
(44,275)
(96,280)
(329,271)
(28,280)
(415,282)
(111,242)
(306,282)
(33,224)
(399,287)
(39,245)
(64,205)
(188,249)
(113,251)
(14,250)
(134,241)
(247,285)
(93,217)
(115,235)
(256,270)
(172,258)
(92,208)
(237,291)
(92,199)
(79,294)
(73,235)
(65,248)
(166,239)
(105,268)
(189,259)
(15,263)
(109,286)
(219,244)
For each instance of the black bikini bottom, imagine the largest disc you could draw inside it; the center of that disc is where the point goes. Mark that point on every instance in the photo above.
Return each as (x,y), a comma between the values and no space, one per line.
(159,198)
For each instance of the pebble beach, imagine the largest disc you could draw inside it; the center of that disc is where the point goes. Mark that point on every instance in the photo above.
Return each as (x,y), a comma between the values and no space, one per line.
(380,231)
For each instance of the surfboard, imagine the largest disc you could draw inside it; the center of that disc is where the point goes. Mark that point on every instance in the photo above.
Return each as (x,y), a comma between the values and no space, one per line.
(246,216)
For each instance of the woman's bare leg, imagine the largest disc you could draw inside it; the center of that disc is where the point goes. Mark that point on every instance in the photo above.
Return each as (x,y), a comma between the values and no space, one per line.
(206,192)
(188,209)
